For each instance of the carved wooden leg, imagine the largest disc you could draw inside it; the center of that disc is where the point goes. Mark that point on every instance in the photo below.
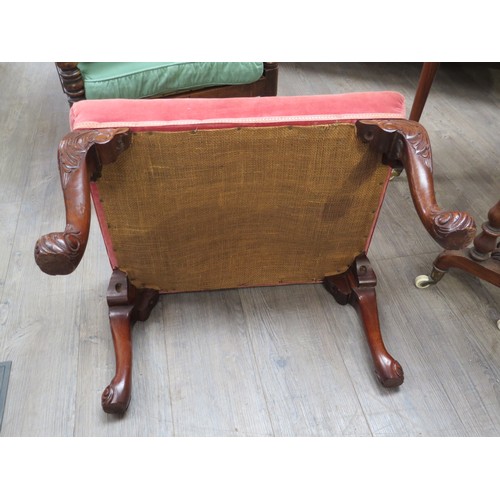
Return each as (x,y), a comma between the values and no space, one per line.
(116,396)
(126,305)
(357,287)
(481,260)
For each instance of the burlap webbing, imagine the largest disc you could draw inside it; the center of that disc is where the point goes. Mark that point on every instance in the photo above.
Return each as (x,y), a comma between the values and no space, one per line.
(218,209)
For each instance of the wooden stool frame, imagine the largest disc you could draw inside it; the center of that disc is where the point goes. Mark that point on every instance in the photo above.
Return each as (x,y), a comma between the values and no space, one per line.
(402,143)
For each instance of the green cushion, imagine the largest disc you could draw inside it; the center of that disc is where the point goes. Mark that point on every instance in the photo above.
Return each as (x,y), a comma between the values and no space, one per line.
(134,80)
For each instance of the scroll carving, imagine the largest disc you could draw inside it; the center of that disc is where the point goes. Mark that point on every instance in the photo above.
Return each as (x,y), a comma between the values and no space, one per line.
(60,253)
(406,143)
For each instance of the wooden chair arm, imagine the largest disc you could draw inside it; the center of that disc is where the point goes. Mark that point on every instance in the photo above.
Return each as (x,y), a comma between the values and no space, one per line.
(60,253)
(405,143)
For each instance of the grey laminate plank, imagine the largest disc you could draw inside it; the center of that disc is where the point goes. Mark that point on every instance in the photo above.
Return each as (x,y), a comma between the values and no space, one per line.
(476,304)
(32,334)
(214,386)
(390,412)
(307,387)
(439,396)
(9,213)
(20,118)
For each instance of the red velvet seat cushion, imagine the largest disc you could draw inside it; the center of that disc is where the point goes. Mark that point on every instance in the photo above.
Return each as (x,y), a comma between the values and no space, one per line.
(185,114)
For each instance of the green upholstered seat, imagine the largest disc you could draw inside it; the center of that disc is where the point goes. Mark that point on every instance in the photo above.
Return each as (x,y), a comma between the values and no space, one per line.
(130,80)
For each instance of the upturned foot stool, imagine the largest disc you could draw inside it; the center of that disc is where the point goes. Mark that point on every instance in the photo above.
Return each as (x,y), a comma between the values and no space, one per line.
(206,194)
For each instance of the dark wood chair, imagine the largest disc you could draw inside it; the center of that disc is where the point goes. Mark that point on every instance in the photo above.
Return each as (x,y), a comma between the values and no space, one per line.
(265,83)
(427,75)
(482,259)
(237,193)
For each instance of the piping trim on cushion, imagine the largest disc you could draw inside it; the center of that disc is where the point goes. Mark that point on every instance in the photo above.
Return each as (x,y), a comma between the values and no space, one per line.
(238,121)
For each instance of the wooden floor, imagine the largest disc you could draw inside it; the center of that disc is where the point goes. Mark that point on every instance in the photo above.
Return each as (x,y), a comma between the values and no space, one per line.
(285,361)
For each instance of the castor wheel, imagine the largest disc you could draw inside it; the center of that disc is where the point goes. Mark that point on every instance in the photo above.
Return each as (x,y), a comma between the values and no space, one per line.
(423,281)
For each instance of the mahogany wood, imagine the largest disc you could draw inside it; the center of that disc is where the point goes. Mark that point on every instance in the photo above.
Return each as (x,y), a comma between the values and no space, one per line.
(402,142)
(126,305)
(429,70)
(60,253)
(267,85)
(357,288)
(486,241)
(481,260)
(406,143)
(71,81)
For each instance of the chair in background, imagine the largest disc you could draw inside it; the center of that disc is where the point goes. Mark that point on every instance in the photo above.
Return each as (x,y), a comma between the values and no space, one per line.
(426,78)
(124,80)
(429,70)
(482,259)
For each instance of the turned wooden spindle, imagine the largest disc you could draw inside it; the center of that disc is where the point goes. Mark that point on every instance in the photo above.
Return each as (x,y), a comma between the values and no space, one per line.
(486,241)
(481,260)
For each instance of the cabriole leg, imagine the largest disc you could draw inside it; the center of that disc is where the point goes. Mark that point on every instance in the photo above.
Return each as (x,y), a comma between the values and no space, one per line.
(126,305)
(357,287)
(116,396)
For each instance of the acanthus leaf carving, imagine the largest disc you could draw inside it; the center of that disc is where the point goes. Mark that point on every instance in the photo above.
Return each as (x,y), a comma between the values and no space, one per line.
(406,143)
(61,252)
(75,146)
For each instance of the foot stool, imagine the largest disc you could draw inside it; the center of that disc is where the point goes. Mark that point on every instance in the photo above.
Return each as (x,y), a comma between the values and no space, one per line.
(207,194)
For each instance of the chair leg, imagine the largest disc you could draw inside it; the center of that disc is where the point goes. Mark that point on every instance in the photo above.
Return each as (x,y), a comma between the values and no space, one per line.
(126,305)
(116,396)
(357,287)
(481,260)
(427,75)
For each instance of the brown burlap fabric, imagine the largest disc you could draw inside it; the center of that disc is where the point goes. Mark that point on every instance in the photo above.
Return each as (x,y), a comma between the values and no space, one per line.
(217,209)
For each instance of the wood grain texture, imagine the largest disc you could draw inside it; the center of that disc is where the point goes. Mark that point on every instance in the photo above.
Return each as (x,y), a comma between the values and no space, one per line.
(215,387)
(285,361)
(308,389)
